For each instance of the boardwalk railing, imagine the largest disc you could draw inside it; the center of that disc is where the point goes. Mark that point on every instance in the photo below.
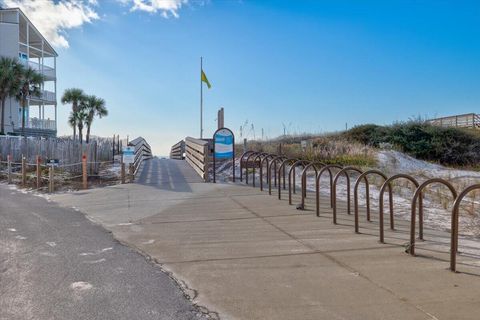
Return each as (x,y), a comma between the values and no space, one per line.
(272,167)
(142,152)
(196,155)
(469,120)
(178,150)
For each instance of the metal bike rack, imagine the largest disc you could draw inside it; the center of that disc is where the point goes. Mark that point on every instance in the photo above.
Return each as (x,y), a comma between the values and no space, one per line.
(367,194)
(317,184)
(269,173)
(271,161)
(241,162)
(246,165)
(416,195)
(282,168)
(454,231)
(387,183)
(258,159)
(270,156)
(302,163)
(344,170)
(304,179)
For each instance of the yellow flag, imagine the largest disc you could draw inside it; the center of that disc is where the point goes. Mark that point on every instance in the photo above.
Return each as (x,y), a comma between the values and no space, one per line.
(204,79)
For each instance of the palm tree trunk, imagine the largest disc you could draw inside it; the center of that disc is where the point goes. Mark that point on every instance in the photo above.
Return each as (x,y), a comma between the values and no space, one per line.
(74,111)
(74,132)
(2,129)
(88,132)
(80,134)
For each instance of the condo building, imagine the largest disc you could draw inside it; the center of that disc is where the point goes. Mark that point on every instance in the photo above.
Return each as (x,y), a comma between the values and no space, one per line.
(20,39)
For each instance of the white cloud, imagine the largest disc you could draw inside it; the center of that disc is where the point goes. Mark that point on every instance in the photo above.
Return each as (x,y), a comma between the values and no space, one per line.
(166,7)
(54,18)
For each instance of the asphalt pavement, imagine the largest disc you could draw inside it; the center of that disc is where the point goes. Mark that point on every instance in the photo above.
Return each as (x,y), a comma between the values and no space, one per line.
(57,264)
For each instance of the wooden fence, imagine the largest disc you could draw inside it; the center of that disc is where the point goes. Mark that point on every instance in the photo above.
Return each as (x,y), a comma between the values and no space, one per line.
(196,155)
(469,120)
(65,150)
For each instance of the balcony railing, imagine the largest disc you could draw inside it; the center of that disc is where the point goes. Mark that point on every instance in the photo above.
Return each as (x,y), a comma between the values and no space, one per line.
(48,72)
(48,96)
(42,124)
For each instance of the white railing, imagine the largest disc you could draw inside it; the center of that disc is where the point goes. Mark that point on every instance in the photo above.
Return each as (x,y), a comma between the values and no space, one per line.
(48,72)
(48,96)
(43,124)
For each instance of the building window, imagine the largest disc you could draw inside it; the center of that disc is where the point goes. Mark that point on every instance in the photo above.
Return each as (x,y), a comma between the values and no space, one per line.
(22,56)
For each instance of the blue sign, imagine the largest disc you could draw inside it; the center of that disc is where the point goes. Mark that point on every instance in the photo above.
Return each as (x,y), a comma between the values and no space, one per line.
(223,140)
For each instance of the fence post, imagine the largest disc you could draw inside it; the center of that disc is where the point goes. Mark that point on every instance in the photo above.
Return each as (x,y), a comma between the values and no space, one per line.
(24,172)
(123,173)
(39,173)
(51,184)
(9,168)
(84,171)
(131,172)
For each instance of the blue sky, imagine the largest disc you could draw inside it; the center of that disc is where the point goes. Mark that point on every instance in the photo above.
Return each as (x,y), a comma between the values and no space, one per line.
(312,65)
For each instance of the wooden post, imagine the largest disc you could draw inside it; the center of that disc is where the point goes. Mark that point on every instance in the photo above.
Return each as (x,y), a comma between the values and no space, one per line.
(113,147)
(51,184)
(9,168)
(24,172)
(39,172)
(84,171)
(131,171)
(123,172)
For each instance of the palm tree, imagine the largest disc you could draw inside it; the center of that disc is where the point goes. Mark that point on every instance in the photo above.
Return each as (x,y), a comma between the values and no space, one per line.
(31,82)
(75,97)
(72,121)
(77,120)
(10,75)
(81,117)
(93,106)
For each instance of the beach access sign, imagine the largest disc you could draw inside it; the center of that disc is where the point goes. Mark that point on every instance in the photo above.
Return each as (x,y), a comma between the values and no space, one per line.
(128,155)
(224,140)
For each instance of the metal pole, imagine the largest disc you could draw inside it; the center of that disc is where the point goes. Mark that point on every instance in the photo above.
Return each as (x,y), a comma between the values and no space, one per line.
(201,98)
(233,160)
(214,162)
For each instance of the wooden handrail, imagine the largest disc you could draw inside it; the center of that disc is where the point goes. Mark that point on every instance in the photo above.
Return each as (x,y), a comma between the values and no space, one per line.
(196,155)
(178,150)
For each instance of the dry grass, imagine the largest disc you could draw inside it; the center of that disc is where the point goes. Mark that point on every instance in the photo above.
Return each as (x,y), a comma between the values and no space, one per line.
(330,150)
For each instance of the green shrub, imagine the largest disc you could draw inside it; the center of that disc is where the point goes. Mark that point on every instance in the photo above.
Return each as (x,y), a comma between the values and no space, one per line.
(448,146)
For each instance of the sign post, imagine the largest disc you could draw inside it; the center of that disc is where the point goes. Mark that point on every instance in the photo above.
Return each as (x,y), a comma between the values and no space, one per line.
(128,155)
(223,148)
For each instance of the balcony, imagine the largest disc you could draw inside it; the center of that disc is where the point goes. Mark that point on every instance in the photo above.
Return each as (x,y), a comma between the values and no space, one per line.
(43,124)
(46,97)
(36,127)
(48,72)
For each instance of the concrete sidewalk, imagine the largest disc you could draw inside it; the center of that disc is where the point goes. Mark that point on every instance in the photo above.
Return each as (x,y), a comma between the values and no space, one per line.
(248,255)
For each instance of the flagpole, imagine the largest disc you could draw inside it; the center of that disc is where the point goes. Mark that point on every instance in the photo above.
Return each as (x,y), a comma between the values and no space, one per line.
(201,98)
